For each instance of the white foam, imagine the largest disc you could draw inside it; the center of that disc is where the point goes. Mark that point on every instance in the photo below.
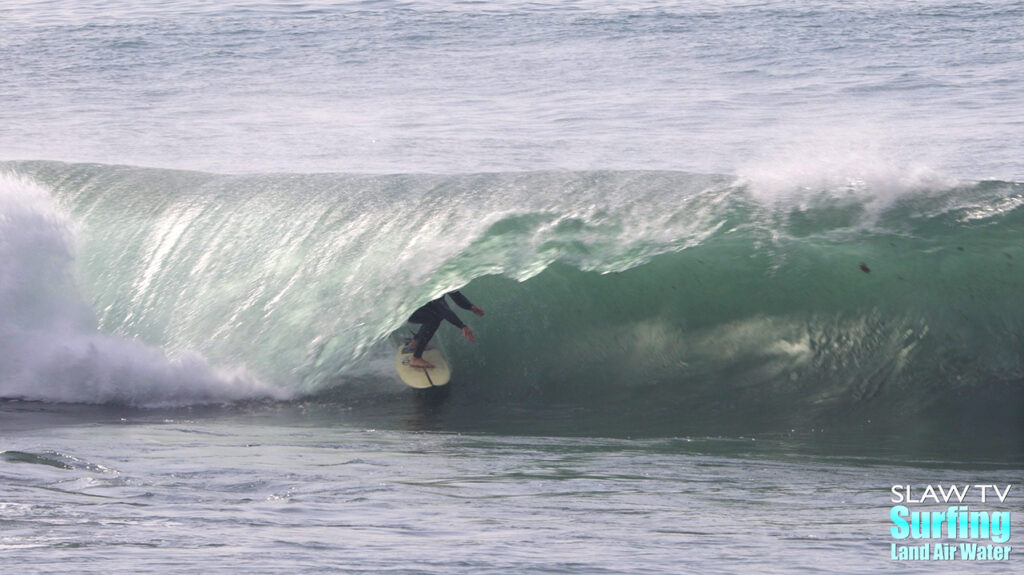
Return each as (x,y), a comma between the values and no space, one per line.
(860,160)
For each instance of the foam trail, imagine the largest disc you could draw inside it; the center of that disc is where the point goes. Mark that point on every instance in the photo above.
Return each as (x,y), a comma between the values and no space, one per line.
(50,349)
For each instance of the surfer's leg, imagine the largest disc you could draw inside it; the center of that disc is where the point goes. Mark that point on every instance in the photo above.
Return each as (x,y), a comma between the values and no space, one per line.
(429,322)
(422,337)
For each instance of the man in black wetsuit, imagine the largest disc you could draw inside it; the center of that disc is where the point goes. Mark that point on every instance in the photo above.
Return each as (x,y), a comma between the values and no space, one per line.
(430,316)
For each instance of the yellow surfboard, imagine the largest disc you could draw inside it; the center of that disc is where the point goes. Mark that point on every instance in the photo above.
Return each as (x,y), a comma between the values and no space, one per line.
(419,377)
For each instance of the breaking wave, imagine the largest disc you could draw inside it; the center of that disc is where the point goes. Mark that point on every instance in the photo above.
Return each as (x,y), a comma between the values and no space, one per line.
(671,301)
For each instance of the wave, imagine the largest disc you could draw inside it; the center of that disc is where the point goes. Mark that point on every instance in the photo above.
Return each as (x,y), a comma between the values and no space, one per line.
(688,302)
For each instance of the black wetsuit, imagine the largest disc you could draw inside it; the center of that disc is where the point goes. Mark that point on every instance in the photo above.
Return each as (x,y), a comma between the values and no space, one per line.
(431,315)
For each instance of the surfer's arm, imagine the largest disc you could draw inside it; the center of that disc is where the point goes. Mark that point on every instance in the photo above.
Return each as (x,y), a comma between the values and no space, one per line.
(463,302)
(460,300)
(447,313)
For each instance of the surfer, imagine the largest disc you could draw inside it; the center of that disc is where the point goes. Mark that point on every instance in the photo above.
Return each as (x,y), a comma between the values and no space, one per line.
(430,316)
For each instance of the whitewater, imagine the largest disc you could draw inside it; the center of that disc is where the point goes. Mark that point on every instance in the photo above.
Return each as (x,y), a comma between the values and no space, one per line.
(746,266)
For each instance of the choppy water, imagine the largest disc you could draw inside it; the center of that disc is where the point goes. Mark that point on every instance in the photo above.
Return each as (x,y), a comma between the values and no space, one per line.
(745,265)
(292,490)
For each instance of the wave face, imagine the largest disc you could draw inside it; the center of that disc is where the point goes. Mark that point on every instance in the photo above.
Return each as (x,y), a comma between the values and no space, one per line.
(676,302)
(49,346)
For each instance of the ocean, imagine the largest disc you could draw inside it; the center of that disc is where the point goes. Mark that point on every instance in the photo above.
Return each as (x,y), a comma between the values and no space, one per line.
(752,274)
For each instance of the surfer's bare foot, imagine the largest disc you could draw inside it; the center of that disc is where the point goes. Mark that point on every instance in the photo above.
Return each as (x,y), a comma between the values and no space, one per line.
(420,362)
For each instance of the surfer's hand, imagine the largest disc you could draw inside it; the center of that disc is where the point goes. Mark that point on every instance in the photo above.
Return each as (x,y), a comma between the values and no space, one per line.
(477,310)
(468,333)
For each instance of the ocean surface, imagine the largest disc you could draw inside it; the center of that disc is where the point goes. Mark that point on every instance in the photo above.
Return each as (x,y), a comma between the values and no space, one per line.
(746,267)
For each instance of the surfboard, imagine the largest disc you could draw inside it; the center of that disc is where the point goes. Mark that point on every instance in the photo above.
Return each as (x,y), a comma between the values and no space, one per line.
(418,377)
